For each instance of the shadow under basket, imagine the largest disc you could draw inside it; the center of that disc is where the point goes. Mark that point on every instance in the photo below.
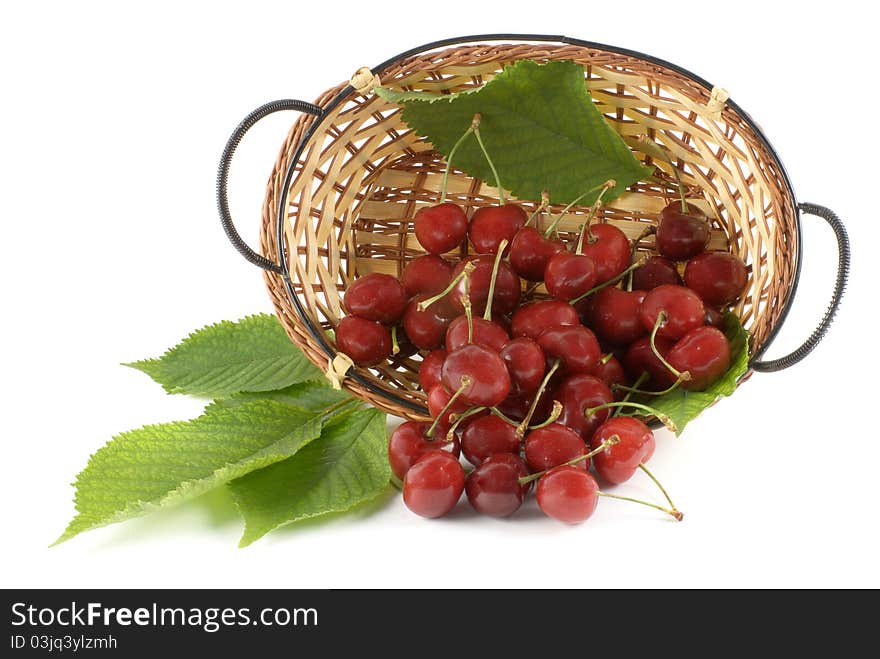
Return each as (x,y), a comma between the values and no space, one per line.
(351,175)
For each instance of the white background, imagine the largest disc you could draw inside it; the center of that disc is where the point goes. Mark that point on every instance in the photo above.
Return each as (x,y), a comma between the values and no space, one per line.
(113,120)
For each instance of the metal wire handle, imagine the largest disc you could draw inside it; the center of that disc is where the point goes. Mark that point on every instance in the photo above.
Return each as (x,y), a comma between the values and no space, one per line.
(223,174)
(843,252)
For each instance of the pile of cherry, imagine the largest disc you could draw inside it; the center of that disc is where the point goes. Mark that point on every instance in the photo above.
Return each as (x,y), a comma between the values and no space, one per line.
(534,392)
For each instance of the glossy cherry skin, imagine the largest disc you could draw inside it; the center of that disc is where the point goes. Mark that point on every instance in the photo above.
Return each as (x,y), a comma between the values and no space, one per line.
(525,363)
(574,345)
(489,380)
(428,274)
(617,463)
(433,485)
(639,358)
(429,370)
(376,297)
(532,319)
(703,352)
(516,407)
(609,249)
(682,307)
(682,235)
(714,318)
(493,489)
(568,494)
(614,315)
(507,285)
(554,445)
(486,333)
(490,225)
(408,443)
(438,398)
(655,272)
(487,436)
(568,276)
(427,329)
(611,372)
(530,251)
(440,228)
(515,461)
(367,342)
(577,394)
(717,277)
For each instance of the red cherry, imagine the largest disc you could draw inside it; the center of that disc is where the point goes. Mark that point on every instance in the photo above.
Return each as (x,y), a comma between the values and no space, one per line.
(433,485)
(493,488)
(429,370)
(568,276)
(611,372)
(427,329)
(703,352)
(609,249)
(516,407)
(428,274)
(530,251)
(654,272)
(577,394)
(568,494)
(574,345)
(683,310)
(490,225)
(486,333)
(532,319)
(441,227)
(489,380)
(376,297)
(487,436)
(639,358)
(554,445)
(507,285)
(438,399)
(367,342)
(525,363)
(717,277)
(515,461)
(408,443)
(714,318)
(617,463)
(682,235)
(614,315)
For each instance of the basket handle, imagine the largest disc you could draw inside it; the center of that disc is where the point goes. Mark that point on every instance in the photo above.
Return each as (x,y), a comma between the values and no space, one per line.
(223,174)
(843,252)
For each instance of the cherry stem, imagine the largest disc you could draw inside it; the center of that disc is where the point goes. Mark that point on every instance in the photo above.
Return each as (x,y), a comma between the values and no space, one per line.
(475,126)
(465,382)
(676,514)
(554,415)
(450,434)
(395,346)
(636,390)
(449,162)
(679,375)
(608,443)
(585,229)
(487,314)
(522,427)
(466,271)
(639,382)
(468,311)
(501,415)
(610,282)
(659,485)
(545,201)
(607,184)
(606,358)
(647,231)
(655,150)
(664,419)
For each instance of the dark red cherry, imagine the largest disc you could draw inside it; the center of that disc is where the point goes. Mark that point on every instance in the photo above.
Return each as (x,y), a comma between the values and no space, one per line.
(428,274)
(574,345)
(609,249)
(554,445)
(714,318)
(577,394)
(486,333)
(682,307)
(427,329)
(507,285)
(703,352)
(433,485)
(493,489)
(639,358)
(611,372)
(367,342)
(568,276)
(568,494)
(515,461)
(532,319)
(516,407)
(717,277)
(655,272)
(438,398)
(525,363)
(408,443)
(614,315)
(429,370)
(487,436)
(376,297)
(617,463)
(490,225)
(441,227)
(530,251)
(682,235)
(489,380)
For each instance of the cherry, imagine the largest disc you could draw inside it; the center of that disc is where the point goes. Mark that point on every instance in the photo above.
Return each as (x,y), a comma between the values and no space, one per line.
(568,276)
(486,436)
(682,232)
(682,310)
(609,248)
(717,277)
(611,372)
(429,370)
(409,442)
(441,227)
(552,446)
(376,297)
(438,400)
(428,274)
(515,461)
(577,394)
(516,406)
(714,317)
(617,463)
(367,342)
(530,251)
(654,272)
(532,319)
(639,358)
(574,345)
(507,285)
(433,485)
(614,315)
(490,225)
(703,352)
(485,333)
(482,371)
(427,329)
(493,489)
(525,363)
(568,494)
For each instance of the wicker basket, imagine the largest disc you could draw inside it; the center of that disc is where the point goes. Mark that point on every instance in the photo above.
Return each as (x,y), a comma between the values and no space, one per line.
(351,174)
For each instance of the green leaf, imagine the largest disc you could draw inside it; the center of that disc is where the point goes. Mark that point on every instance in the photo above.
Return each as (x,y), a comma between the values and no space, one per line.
(161,465)
(311,396)
(346,466)
(540,127)
(684,406)
(253,354)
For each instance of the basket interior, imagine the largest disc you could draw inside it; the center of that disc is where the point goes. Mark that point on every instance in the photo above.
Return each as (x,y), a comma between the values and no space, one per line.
(363,174)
